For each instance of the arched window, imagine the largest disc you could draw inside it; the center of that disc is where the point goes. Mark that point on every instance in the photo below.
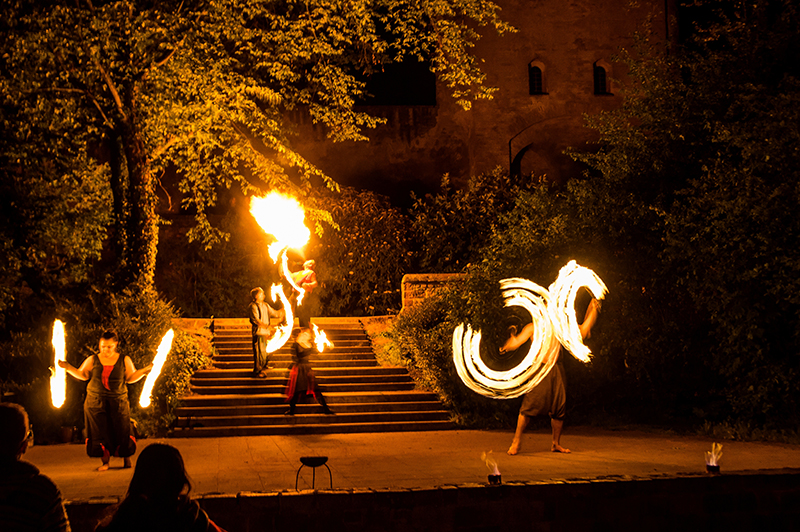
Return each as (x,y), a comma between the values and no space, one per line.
(600,79)
(536,81)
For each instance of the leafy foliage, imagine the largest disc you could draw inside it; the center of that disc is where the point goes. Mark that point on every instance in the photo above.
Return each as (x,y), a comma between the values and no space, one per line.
(450,227)
(422,336)
(361,264)
(117,95)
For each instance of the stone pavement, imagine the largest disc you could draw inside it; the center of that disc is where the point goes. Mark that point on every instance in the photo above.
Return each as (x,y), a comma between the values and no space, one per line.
(412,460)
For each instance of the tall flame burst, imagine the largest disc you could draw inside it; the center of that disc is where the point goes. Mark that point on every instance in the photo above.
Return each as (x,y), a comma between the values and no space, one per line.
(552,314)
(58,377)
(158,363)
(282,217)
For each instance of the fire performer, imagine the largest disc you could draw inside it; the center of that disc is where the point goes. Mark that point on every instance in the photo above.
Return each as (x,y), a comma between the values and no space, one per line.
(549,397)
(106,408)
(301,377)
(260,313)
(307,280)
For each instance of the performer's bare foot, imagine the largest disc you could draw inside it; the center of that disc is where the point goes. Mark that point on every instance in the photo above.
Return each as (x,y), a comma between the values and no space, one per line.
(126,463)
(556,448)
(514,449)
(103,467)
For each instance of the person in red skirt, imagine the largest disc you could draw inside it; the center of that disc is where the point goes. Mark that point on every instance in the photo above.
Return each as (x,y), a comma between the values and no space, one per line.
(301,377)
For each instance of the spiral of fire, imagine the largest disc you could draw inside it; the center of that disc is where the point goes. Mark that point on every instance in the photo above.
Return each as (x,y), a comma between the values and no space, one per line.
(553,323)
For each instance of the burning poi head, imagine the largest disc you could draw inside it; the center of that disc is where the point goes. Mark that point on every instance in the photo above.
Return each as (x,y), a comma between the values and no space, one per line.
(158,363)
(58,377)
(553,323)
(282,217)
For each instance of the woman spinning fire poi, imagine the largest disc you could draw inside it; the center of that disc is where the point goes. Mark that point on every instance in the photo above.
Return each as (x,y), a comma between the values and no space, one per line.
(106,408)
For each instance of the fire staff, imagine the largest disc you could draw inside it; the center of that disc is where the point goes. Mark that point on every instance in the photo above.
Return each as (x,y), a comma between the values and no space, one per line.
(106,408)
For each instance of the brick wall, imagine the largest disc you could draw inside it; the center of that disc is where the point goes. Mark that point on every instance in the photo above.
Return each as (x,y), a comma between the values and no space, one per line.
(754,501)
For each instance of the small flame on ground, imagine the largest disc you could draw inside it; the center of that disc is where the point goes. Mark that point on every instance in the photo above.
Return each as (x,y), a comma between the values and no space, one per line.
(320,338)
(282,217)
(491,463)
(158,363)
(58,377)
(715,455)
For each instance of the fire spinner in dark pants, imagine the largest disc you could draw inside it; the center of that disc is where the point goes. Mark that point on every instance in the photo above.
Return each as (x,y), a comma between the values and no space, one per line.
(301,378)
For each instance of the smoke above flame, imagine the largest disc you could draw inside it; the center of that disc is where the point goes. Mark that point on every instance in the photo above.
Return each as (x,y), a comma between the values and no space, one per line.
(158,363)
(490,462)
(58,377)
(554,323)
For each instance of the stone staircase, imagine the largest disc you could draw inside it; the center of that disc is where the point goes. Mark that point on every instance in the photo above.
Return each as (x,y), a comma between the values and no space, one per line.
(225,400)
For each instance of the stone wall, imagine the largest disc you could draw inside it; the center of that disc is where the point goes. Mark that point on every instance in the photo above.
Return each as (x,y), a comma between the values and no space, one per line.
(756,501)
(565,40)
(415,287)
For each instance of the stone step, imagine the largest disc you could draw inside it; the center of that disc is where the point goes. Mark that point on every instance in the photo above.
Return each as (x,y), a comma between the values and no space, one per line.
(247,347)
(279,388)
(327,372)
(247,362)
(279,408)
(281,378)
(314,416)
(243,400)
(301,428)
(316,357)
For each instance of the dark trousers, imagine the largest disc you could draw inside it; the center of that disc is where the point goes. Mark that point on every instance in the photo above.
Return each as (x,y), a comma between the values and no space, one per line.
(260,355)
(108,426)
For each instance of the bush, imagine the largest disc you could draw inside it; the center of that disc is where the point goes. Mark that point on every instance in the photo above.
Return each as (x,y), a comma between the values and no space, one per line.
(422,336)
(188,354)
(360,266)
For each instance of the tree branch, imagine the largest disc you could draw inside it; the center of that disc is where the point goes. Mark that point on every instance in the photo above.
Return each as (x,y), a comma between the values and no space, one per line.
(110,85)
(171,142)
(83,92)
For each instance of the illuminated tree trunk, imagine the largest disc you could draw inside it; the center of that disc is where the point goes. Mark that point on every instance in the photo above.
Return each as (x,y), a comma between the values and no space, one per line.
(142,222)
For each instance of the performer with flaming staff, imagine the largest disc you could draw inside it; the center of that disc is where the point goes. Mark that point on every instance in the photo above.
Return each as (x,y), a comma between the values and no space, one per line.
(260,313)
(307,280)
(301,378)
(106,408)
(549,397)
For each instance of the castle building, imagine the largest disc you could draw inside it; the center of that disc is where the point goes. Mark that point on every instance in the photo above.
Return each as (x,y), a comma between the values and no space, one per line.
(558,67)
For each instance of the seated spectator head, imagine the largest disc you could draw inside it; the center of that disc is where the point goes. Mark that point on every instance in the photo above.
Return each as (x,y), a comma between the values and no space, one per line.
(160,474)
(14,431)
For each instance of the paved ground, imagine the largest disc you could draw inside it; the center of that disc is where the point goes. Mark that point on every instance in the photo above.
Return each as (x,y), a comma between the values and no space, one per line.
(407,460)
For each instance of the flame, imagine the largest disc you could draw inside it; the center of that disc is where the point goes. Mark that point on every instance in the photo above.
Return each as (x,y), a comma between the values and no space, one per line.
(58,377)
(553,322)
(283,331)
(715,455)
(158,363)
(491,463)
(320,338)
(282,217)
(570,279)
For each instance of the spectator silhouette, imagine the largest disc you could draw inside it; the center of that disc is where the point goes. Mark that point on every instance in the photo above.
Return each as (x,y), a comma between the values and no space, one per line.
(29,500)
(158,497)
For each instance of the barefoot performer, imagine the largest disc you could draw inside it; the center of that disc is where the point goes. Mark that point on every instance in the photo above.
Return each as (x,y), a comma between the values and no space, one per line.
(549,397)
(106,408)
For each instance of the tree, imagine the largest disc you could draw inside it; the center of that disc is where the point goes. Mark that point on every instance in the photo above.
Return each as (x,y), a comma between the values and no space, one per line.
(123,94)
(697,179)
